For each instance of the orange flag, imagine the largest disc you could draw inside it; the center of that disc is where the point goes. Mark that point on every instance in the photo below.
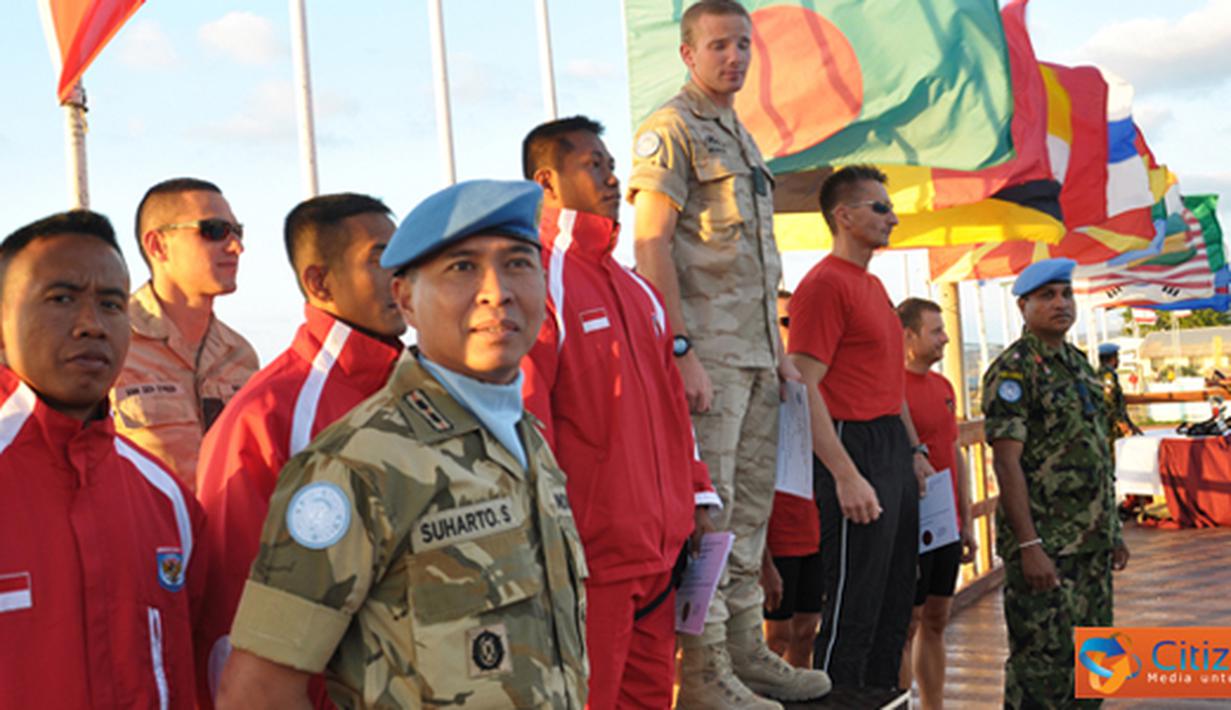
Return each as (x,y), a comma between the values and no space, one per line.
(77,30)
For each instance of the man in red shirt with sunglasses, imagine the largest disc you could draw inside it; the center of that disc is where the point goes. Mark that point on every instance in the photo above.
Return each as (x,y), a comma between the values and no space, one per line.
(184,364)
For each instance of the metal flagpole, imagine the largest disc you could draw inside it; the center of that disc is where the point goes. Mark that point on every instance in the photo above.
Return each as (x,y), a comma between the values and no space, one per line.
(981,321)
(546,68)
(303,97)
(74,135)
(440,72)
(1006,319)
(906,272)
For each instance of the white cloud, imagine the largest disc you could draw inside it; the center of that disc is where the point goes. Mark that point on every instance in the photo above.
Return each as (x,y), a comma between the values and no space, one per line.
(589,69)
(1160,54)
(243,37)
(144,45)
(1151,118)
(1219,183)
(268,115)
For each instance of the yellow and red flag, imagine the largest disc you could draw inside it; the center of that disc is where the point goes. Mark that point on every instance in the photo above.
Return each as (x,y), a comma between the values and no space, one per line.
(77,30)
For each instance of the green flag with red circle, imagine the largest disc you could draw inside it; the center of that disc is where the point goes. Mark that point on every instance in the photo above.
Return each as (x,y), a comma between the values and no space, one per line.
(910,82)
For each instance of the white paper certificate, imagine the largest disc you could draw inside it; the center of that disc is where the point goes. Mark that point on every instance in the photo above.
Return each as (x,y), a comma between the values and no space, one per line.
(692,599)
(938,513)
(794,443)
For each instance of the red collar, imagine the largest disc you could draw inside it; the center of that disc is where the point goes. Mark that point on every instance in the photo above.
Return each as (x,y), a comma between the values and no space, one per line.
(582,232)
(359,355)
(65,441)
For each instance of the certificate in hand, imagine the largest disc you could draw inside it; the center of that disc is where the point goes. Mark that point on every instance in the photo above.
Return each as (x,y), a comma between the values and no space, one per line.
(692,599)
(794,443)
(937,513)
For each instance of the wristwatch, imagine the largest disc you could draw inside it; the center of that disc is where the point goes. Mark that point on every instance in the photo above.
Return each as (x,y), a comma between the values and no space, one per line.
(680,345)
(920,448)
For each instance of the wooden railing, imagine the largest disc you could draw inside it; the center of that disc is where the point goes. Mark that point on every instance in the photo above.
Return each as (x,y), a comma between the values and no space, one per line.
(985,572)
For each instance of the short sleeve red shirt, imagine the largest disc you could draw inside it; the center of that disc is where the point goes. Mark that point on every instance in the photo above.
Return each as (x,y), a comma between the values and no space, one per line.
(794,527)
(842,316)
(932,410)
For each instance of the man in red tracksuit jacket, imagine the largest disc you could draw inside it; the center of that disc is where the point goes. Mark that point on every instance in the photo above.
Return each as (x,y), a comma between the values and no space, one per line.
(341,355)
(100,572)
(602,379)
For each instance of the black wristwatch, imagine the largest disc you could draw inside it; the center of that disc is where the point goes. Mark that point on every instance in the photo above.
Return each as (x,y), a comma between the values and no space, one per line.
(680,345)
(920,448)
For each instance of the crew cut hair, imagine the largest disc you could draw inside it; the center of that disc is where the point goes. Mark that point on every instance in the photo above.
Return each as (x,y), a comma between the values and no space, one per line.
(546,144)
(74,222)
(911,311)
(688,23)
(314,226)
(173,186)
(838,186)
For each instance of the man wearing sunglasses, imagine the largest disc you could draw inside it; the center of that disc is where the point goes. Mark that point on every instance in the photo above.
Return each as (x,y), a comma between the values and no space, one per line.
(846,340)
(343,353)
(184,364)
(1057,529)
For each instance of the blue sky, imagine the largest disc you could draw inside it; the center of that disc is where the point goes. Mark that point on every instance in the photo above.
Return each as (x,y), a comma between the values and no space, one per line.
(204,89)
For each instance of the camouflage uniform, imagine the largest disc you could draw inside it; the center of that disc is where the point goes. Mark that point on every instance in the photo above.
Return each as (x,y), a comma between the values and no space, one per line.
(448,574)
(728,268)
(1117,409)
(1048,399)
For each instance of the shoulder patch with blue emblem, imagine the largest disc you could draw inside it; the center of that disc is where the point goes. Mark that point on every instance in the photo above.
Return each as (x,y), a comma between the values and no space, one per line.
(319,515)
(1010,391)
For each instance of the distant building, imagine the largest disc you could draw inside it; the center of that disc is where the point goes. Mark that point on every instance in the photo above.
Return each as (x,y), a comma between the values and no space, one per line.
(1192,352)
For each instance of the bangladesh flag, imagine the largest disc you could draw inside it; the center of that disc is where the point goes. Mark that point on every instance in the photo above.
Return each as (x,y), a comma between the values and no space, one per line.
(845,81)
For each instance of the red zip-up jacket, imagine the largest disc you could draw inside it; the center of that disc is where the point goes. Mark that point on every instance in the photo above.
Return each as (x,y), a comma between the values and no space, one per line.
(100,579)
(603,380)
(329,368)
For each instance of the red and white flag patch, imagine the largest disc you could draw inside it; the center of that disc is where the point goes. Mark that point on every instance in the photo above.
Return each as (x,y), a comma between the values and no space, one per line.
(594,319)
(16,592)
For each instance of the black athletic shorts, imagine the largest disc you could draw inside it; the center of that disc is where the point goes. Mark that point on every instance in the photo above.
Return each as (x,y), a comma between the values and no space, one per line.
(938,572)
(801,586)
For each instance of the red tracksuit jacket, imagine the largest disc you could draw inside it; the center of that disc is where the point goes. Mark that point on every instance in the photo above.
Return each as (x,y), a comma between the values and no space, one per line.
(100,579)
(604,382)
(328,369)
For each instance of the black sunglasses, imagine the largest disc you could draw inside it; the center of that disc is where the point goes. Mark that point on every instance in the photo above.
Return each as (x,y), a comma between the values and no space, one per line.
(214,230)
(877,206)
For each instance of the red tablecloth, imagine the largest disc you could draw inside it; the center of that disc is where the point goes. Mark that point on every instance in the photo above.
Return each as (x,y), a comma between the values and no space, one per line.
(1196,474)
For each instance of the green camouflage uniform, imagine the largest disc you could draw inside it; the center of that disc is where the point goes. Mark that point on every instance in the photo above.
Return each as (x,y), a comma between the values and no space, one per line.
(1117,409)
(728,268)
(421,565)
(1049,399)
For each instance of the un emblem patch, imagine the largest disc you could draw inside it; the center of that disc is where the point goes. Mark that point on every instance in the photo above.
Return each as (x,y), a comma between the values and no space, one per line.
(489,651)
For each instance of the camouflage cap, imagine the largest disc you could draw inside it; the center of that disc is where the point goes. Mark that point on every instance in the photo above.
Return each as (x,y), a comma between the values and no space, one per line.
(507,208)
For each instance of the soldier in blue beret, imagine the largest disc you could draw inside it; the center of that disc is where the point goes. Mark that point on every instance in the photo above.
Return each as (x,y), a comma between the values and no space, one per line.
(1057,528)
(421,551)
(1118,421)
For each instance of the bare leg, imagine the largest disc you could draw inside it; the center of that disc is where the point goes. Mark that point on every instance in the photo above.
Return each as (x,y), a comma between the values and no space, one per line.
(930,652)
(906,675)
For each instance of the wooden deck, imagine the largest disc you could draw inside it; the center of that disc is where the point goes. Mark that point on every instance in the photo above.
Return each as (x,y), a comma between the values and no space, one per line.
(1174,578)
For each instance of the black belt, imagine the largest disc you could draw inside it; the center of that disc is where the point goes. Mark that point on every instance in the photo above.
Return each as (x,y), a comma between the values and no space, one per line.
(677,576)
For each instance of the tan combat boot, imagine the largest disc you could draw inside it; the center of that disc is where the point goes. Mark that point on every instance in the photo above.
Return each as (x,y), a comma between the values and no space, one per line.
(708,683)
(765,673)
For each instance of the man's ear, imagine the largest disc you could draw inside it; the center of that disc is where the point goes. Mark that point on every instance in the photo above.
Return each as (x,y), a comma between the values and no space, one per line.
(313,281)
(402,288)
(154,244)
(546,179)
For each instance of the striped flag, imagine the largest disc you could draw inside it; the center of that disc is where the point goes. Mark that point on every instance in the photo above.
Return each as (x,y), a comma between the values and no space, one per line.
(77,30)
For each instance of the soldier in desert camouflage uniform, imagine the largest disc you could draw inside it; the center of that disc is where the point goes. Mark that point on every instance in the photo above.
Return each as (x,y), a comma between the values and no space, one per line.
(1057,528)
(421,550)
(704,238)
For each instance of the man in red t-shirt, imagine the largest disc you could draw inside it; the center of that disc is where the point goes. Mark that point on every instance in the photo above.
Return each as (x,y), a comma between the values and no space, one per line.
(791,570)
(846,341)
(931,400)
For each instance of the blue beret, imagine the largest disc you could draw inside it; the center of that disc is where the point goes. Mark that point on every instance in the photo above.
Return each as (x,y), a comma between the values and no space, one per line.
(1042,273)
(1108,349)
(492,207)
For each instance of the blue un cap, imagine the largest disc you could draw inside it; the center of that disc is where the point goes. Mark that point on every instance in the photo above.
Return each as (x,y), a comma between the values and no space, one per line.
(1042,273)
(507,208)
(1108,349)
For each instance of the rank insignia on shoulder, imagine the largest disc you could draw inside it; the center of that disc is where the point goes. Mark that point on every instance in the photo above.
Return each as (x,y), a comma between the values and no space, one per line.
(489,651)
(421,404)
(170,562)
